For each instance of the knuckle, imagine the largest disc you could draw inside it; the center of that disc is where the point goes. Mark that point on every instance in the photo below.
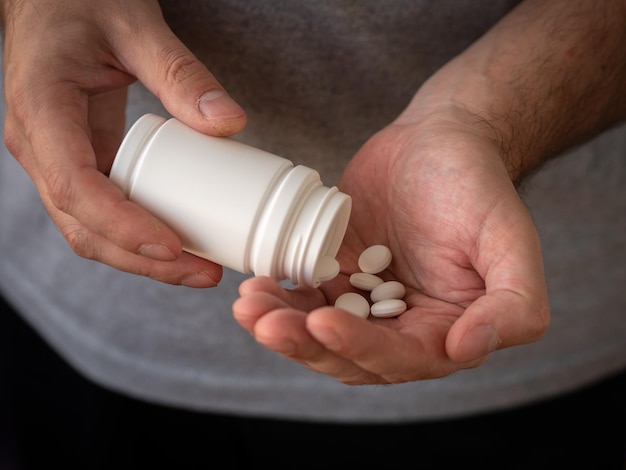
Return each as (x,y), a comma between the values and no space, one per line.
(59,188)
(12,140)
(80,241)
(180,66)
(14,135)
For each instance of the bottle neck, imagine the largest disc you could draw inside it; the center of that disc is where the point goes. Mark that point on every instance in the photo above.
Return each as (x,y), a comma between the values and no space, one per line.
(302,221)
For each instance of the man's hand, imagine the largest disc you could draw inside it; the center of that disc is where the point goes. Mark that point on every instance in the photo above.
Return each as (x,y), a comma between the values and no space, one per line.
(438,187)
(67,66)
(463,245)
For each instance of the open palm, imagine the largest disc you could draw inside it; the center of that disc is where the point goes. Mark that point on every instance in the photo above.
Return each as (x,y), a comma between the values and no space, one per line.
(463,244)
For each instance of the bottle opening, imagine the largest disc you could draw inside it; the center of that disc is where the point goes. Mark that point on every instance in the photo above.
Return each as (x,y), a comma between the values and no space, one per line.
(304,223)
(325,238)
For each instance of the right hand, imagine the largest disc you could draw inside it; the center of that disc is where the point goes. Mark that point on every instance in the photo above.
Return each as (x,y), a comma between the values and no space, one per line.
(436,191)
(67,66)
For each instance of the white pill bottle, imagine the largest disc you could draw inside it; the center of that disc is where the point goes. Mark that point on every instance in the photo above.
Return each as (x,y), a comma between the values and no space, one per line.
(233,204)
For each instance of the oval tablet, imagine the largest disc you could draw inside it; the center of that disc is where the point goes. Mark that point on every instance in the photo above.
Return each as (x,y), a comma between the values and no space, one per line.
(375,259)
(326,268)
(353,303)
(388,308)
(365,281)
(388,290)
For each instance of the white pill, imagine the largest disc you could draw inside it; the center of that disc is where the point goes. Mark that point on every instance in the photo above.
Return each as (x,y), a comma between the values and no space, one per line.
(388,308)
(365,281)
(326,268)
(353,303)
(375,259)
(388,290)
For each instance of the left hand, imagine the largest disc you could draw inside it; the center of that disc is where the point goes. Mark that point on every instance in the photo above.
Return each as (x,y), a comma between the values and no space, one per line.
(438,194)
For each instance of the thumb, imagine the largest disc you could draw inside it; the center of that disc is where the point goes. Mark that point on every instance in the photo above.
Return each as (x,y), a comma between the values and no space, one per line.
(187,89)
(498,320)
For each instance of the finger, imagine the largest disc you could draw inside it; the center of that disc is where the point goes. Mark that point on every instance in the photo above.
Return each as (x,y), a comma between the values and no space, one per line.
(301,298)
(515,309)
(285,331)
(408,348)
(183,84)
(67,177)
(81,200)
(186,269)
(348,348)
(498,320)
(266,310)
(248,309)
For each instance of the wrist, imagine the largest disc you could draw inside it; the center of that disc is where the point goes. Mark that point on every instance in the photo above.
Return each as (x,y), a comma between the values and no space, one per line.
(449,104)
(547,77)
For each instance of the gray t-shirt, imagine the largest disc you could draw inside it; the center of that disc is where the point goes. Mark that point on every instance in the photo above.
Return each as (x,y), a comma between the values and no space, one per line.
(317,79)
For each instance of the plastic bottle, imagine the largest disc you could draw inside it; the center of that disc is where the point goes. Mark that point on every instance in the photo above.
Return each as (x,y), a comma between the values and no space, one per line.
(233,204)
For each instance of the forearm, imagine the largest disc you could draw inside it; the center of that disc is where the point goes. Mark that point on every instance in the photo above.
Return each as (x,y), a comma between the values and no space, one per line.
(547,77)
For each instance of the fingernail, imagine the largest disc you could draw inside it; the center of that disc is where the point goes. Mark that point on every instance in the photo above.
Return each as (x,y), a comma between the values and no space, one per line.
(218,104)
(198,280)
(480,340)
(157,252)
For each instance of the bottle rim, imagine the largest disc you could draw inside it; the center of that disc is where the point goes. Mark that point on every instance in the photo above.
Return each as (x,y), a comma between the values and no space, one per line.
(133,147)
